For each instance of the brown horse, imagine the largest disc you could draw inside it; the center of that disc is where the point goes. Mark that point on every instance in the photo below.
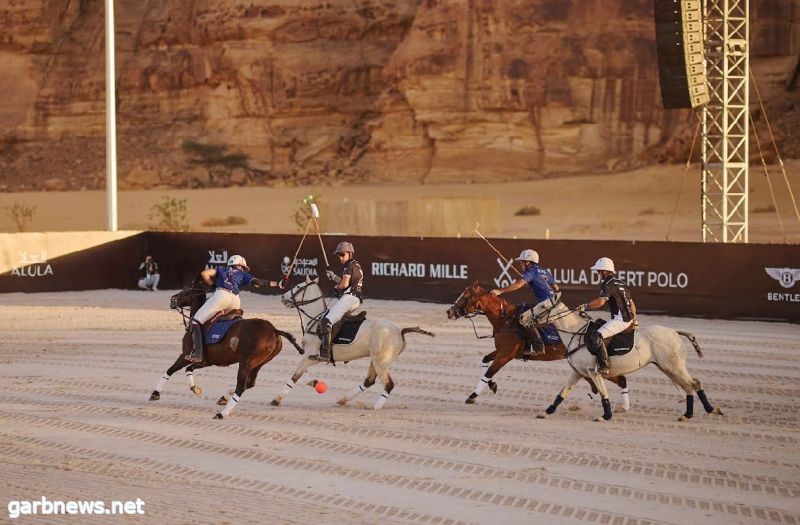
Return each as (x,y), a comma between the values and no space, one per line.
(251,342)
(508,339)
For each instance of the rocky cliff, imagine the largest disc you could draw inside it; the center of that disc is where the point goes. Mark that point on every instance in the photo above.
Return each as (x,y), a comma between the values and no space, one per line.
(221,92)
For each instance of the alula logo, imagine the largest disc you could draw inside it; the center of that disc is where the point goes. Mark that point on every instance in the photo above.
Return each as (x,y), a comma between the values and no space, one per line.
(32,264)
(217,258)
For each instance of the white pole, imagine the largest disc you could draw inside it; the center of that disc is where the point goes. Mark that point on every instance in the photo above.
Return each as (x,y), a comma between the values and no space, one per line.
(111,121)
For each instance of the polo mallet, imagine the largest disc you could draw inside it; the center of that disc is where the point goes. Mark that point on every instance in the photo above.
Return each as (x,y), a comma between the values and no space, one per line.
(297,252)
(314,217)
(503,257)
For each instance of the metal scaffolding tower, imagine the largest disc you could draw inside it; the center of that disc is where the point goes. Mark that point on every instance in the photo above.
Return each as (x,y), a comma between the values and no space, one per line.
(725,121)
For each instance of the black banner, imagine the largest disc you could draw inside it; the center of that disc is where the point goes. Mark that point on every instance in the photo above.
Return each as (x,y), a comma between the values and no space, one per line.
(730,281)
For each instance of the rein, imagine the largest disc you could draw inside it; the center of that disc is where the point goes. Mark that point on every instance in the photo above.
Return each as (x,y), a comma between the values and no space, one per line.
(312,319)
(194,291)
(480,311)
(580,333)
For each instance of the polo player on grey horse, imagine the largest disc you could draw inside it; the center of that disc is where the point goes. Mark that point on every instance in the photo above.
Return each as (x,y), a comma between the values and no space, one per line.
(348,289)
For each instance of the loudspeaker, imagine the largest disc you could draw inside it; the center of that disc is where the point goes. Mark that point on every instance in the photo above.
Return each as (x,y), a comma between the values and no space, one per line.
(679,43)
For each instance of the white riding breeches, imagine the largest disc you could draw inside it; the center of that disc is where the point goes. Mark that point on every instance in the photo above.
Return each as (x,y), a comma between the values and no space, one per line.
(613,327)
(345,305)
(151,281)
(221,300)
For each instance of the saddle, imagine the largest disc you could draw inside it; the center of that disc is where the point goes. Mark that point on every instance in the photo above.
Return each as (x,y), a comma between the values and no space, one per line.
(620,344)
(345,331)
(215,329)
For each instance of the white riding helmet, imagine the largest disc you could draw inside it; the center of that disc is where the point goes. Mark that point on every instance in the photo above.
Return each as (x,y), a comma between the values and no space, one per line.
(238,260)
(529,255)
(604,263)
(344,247)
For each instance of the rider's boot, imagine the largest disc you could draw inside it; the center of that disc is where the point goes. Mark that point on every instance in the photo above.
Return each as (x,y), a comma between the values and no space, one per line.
(536,347)
(197,344)
(325,340)
(602,353)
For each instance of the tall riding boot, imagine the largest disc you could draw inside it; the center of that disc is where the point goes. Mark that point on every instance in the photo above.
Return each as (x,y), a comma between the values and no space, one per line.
(537,345)
(197,344)
(602,353)
(326,338)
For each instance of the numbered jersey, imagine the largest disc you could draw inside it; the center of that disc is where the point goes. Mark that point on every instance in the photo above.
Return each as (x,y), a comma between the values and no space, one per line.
(619,300)
(353,269)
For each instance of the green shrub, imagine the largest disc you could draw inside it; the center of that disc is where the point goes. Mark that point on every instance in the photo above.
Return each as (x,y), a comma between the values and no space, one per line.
(169,214)
(21,214)
(529,210)
(302,213)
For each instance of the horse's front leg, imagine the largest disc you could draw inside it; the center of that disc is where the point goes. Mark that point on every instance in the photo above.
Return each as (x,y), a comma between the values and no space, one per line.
(177,365)
(360,388)
(562,395)
(305,364)
(241,384)
(490,365)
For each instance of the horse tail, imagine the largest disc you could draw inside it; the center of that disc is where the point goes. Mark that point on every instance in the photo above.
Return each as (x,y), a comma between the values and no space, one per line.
(417,330)
(291,339)
(692,340)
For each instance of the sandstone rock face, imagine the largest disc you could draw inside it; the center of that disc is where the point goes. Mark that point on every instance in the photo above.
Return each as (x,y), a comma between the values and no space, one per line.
(217,92)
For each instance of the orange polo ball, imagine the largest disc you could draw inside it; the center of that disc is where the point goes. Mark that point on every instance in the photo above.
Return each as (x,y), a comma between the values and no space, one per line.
(321,387)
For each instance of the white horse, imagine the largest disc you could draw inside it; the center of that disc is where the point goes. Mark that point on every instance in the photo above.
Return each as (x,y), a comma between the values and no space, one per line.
(380,340)
(655,344)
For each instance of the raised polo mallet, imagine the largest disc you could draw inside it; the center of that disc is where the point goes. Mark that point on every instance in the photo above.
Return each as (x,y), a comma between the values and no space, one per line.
(314,217)
(296,253)
(496,250)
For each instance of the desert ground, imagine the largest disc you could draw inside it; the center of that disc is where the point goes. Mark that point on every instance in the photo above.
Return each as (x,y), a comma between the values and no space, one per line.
(77,369)
(634,205)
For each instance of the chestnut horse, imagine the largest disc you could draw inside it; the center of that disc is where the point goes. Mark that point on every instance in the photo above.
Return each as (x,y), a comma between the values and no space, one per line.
(508,339)
(251,343)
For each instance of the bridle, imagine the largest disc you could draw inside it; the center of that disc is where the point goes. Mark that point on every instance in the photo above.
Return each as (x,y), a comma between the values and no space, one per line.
(191,292)
(461,311)
(298,304)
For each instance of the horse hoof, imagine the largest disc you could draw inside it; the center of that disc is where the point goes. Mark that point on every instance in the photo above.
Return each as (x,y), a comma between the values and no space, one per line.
(196,390)
(313,383)
(276,402)
(600,419)
(574,408)
(717,411)
(684,418)
(542,415)
(218,416)
(155,396)
(470,401)
(620,408)
(342,402)
(222,401)
(493,387)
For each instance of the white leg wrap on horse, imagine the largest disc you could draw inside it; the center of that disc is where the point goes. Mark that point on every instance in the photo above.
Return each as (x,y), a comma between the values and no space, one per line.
(162,382)
(482,384)
(626,400)
(287,387)
(485,367)
(381,400)
(190,377)
(355,391)
(231,404)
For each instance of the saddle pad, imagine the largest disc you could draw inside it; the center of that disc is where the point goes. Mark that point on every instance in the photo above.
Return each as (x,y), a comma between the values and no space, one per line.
(348,331)
(549,335)
(217,331)
(620,344)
